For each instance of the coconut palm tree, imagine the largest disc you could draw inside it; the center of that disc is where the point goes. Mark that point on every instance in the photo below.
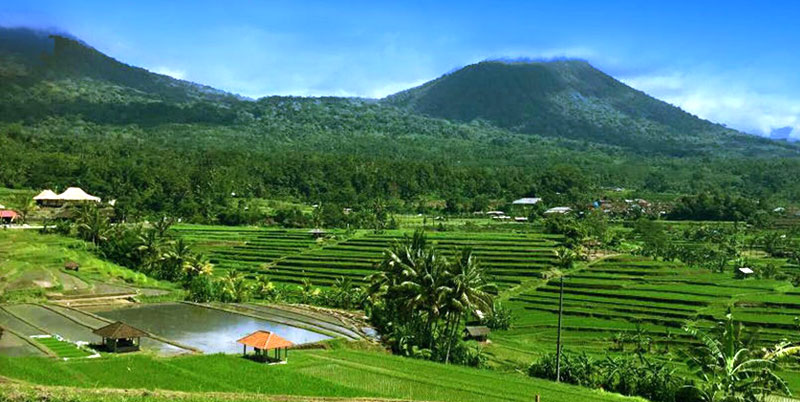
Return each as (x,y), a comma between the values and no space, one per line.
(24,205)
(162,225)
(93,226)
(149,249)
(565,257)
(235,287)
(175,260)
(197,265)
(728,371)
(343,289)
(468,292)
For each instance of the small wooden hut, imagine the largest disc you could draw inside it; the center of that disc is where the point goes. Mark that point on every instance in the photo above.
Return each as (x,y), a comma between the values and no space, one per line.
(119,337)
(479,333)
(8,217)
(317,233)
(264,341)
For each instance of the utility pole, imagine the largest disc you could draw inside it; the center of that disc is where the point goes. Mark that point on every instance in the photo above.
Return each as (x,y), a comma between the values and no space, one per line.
(558,341)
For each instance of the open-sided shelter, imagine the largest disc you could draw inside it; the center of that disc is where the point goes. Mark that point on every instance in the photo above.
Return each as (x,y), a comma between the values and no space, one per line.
(264,341)
(119,337)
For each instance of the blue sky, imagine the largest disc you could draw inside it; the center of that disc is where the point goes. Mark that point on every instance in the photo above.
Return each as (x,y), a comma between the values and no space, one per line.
(734,62)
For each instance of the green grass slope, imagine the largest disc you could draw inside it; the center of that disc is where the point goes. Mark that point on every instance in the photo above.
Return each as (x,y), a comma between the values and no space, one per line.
(32,263)
(341,373)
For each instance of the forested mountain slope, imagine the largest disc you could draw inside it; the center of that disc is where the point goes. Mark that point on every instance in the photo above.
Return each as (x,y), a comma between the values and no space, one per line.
(570,99)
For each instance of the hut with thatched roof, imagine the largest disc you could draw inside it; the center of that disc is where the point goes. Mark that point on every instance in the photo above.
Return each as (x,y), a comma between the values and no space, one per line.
(119,337)
(478,332)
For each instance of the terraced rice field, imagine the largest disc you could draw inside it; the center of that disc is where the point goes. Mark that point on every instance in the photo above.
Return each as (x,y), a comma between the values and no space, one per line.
(290,256)
(630,294)
(244,249)
(62,348)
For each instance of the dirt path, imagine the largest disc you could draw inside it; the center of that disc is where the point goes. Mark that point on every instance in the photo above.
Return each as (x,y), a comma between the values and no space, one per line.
(534,284)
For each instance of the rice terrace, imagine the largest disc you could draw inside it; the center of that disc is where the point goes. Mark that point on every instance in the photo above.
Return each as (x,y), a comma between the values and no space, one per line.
(306,201)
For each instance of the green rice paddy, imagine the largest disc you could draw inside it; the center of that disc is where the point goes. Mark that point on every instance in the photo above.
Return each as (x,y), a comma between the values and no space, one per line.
(62,348)
(343,373)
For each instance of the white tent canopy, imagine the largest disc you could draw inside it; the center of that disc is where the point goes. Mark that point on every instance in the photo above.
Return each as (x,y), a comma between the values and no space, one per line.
(77,194)
(46,195)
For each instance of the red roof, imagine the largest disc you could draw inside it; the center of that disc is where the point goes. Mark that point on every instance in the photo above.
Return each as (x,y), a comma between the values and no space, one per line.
(8,214)
(265,340)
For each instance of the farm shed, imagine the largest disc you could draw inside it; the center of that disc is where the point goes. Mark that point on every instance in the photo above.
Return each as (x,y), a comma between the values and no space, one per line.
(264,341)
(8,216)
(120,337)
(558,210)
(477,332)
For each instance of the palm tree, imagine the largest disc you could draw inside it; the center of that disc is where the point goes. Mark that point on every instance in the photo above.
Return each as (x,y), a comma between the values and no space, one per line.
(343,290)
(235,287)
(469,292)
(728,371)
(198,265)
(24,205)
(149,250)
(93,226)
(565,259)
(162,225)
(410,283)
(176,258)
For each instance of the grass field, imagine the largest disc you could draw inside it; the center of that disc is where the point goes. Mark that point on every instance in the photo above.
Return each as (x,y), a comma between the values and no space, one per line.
(341,373)
(31,263)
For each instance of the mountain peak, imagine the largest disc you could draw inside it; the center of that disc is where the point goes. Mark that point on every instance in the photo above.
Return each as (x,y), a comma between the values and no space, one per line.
(560,98)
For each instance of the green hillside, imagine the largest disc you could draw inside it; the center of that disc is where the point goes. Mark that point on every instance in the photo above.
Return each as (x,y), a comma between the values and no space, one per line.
(570,99)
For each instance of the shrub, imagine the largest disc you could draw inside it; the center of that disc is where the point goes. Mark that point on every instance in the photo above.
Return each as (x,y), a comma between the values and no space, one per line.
(628,375)
(499,318)
(201,289)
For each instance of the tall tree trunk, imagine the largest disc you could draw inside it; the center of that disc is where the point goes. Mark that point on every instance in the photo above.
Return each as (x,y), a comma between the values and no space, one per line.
(452,336)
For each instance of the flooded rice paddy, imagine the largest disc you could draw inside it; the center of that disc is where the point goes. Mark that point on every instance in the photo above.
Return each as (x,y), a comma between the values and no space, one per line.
(210,330)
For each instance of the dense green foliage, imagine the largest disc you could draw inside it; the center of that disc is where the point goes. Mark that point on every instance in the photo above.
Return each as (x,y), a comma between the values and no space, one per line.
(628,375)
(419,300)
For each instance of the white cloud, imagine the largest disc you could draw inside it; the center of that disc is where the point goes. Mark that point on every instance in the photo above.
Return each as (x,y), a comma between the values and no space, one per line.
(174,73)
(723,98)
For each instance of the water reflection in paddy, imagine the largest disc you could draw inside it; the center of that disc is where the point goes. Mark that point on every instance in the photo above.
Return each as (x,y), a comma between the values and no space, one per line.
(211,331)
